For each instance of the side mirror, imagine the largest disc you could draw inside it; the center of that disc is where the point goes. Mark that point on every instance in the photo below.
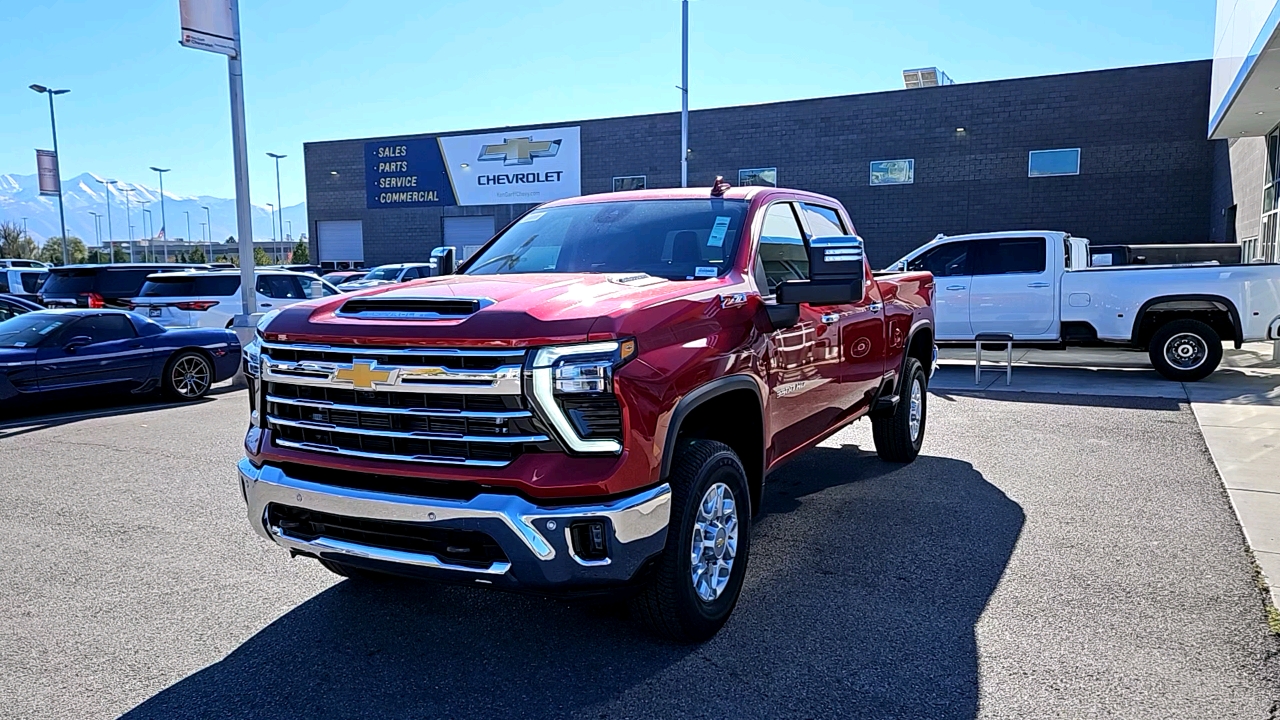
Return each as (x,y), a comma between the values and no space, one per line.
(77,342)
(444,260)
(836,274)
(315,289)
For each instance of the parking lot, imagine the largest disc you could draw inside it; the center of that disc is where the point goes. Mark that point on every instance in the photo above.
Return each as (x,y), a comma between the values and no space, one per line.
(1047,556)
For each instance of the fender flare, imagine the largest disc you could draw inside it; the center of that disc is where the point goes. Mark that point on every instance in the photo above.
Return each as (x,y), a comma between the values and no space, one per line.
(698,396)
(887,398)
(1231,310)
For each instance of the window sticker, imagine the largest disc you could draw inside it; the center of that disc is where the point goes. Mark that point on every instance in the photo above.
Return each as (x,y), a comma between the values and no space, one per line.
(19,344)
(704,272)
(533,216)
(716,239)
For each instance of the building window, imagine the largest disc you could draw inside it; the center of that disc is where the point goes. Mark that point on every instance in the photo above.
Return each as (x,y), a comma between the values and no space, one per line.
(630,182)
(893,172)
(766,177)
(1266,247)
(1048,163)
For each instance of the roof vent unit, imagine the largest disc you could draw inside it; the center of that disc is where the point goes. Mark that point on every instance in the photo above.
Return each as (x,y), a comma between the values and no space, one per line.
(925,77)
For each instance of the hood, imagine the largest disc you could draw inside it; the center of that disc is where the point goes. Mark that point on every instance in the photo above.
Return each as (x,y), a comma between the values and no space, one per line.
(503,310)
(365,283)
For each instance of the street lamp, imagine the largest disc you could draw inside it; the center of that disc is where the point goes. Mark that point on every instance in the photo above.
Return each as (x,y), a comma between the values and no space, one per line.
(53,123)
(147,220)
(97,229)
(188,214)
(203,227)
(273,230)
(684,93)
(106,187)
(128,219)
(279,205)
(163,227)
(146,236)
(290,224)
(209,238)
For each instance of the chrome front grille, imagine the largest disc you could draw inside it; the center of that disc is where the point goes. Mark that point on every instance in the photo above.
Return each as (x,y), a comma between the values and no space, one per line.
(450,407)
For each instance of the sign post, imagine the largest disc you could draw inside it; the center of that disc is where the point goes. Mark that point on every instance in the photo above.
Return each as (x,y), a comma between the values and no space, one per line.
(214,26)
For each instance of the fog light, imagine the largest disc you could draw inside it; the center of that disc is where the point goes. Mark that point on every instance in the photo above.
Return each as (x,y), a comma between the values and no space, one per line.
(588,540)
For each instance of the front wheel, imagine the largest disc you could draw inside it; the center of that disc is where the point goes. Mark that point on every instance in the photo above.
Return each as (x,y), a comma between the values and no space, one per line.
(188,376)
(898,437)
(695,582)
(1185,350)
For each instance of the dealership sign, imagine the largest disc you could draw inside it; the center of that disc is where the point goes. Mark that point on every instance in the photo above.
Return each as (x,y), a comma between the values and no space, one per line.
(208,25)
(506,168)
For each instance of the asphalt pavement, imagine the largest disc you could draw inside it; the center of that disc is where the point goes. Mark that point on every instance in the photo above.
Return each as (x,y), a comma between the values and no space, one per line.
(1047,556)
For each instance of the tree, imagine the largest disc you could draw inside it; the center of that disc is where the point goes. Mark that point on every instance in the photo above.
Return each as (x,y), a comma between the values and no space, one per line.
(196,256)
(301,253)
(51,251)
(15,243)
(260,257)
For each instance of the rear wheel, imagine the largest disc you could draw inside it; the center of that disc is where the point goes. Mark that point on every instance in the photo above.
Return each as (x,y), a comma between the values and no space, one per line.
(1185,350)
(898,437)
(696,581)
(188,376)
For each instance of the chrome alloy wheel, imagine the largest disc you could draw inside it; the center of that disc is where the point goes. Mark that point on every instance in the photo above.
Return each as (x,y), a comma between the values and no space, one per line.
(190,376)
(715,542)
(1186,351)
(916,411)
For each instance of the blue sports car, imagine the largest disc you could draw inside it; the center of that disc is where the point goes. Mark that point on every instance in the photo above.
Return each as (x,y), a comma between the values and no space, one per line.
(92,349)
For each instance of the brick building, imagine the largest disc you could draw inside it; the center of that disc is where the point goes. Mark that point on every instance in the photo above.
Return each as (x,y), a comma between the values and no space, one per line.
(1118,156)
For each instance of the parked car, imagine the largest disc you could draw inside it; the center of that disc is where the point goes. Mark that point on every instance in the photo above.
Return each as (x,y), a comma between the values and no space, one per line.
(1039,288)
(211,298)
(592,404)
(18,263)
(61,351)
(101,286)
(337,277)
(13,306)
(309,269)
(24,282)
(387,275)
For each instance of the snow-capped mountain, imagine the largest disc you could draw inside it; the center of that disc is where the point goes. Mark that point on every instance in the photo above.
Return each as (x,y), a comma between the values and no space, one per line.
(20,197)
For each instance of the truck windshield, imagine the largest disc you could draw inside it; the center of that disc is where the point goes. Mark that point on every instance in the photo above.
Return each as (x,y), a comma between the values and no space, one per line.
(673,239)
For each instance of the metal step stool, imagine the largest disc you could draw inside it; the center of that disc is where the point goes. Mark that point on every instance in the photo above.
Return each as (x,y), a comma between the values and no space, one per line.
(1007,339)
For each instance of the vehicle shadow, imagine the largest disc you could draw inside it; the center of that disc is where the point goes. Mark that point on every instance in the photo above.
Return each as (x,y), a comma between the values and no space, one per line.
(47,413)
(865,585)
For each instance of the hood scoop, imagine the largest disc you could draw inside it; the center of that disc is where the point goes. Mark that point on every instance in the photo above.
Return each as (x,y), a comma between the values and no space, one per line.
(375,308)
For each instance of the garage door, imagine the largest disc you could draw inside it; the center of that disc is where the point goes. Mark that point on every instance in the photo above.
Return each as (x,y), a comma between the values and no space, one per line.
(467,234)
(341,241)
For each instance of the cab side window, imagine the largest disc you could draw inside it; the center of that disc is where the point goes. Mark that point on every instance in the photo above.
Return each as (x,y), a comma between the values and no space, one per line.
(280,286)
(946,260)
(823,221)
(1008,256)
(783,255)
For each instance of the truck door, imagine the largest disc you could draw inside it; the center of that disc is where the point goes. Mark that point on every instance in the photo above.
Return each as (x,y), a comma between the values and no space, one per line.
(860,325)
(1012,288)
(802,361)
(949,263)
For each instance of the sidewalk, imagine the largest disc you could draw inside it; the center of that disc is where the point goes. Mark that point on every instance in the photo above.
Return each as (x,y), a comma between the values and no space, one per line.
(1237,408)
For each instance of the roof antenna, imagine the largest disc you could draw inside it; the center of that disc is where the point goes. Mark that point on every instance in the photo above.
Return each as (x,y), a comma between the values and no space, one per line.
(719,187)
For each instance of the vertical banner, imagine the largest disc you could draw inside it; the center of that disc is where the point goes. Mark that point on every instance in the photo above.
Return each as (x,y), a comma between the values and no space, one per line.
(209,25)
(47,168)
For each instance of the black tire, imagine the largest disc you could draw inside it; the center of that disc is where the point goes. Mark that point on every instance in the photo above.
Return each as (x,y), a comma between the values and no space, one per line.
(187,376)
(1185,350)
(894,438)
(668,603)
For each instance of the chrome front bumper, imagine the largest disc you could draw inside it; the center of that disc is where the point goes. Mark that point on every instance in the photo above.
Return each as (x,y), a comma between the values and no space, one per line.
(535,539)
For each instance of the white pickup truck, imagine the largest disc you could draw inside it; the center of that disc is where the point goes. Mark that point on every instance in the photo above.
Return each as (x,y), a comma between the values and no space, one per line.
(1038,287)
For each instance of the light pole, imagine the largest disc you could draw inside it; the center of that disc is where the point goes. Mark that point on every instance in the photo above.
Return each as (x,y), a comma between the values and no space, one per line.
(148,221)
(164,228)
(188,214)
(684,94)
(111,250)
(209,237)
(128,219)
(279,205)
(24,227)
(273,230)
(203,226)
(290,224)
(145,235)
(97,229)
(53,123)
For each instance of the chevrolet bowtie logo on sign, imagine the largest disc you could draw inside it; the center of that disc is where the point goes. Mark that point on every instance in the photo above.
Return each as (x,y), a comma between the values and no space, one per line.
(363,375)
(520,150)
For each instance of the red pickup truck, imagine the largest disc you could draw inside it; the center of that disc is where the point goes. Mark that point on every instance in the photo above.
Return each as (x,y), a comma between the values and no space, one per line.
(590,404)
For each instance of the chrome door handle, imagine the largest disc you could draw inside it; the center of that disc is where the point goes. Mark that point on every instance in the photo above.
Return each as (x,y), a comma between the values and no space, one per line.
(957,287)
(1038,285)
(266,304)
(830,318)
(875,307)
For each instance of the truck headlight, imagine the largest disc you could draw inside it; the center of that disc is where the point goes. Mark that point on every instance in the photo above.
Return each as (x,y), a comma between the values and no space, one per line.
(574,374)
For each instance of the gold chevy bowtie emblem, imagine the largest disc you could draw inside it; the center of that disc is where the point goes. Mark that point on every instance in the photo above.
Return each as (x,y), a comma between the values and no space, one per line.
(520,150)
(363,375)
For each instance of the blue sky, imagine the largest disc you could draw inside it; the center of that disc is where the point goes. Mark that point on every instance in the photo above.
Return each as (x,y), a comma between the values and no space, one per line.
(324,69)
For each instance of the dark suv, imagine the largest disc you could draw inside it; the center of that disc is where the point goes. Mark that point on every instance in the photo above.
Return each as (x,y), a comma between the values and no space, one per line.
(101,286)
